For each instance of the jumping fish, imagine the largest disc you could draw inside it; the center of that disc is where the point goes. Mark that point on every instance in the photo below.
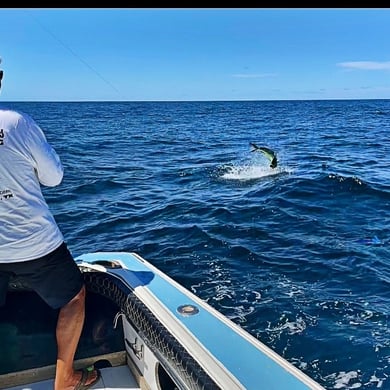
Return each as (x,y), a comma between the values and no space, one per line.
(270,154)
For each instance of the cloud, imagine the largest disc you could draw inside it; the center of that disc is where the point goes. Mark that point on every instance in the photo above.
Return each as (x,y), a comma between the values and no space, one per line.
(253,75)
(365,65)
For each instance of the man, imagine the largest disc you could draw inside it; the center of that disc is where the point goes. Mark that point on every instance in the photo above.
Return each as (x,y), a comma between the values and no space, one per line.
(32,247)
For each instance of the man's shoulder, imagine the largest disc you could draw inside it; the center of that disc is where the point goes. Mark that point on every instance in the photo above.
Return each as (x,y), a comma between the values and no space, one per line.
(12,114)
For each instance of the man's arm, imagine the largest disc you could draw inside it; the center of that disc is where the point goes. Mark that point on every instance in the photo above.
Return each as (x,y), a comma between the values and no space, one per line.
(48,165)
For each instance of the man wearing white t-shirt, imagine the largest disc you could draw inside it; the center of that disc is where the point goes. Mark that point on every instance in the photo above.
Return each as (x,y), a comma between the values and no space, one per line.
(32,247)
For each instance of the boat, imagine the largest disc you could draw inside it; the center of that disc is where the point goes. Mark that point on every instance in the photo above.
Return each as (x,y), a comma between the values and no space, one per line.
(143,330)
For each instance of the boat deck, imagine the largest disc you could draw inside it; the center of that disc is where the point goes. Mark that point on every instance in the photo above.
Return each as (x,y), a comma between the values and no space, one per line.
(116,377)
(27,358)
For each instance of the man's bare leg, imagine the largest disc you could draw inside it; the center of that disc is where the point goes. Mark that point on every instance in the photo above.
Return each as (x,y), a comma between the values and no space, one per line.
(69,327)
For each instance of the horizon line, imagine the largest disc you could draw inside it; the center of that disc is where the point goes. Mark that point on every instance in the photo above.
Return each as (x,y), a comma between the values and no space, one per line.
(184,101)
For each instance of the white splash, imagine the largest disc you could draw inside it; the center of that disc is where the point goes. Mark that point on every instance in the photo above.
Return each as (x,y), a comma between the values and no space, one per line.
(249,172)
(343,380)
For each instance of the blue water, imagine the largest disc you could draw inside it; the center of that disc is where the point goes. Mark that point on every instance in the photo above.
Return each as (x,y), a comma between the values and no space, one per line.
(297,255)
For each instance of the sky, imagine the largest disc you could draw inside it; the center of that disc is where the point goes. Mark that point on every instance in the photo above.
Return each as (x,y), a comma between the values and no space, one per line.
(194,54)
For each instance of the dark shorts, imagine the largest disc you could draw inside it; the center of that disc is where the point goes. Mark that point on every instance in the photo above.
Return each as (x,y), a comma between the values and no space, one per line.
(55,277)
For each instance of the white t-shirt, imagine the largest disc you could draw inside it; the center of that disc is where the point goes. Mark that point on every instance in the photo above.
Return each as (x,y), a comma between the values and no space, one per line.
(28,229)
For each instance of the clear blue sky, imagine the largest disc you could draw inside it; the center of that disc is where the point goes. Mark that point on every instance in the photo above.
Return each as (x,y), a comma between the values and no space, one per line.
(165,54)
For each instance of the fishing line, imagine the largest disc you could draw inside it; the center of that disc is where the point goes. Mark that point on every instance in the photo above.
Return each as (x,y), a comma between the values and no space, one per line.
(62,43)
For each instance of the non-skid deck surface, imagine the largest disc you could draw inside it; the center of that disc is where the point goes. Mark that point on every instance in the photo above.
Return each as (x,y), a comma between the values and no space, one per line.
(118,378)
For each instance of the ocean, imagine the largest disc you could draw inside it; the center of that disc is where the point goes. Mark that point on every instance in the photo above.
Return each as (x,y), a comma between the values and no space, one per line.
(297,255)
